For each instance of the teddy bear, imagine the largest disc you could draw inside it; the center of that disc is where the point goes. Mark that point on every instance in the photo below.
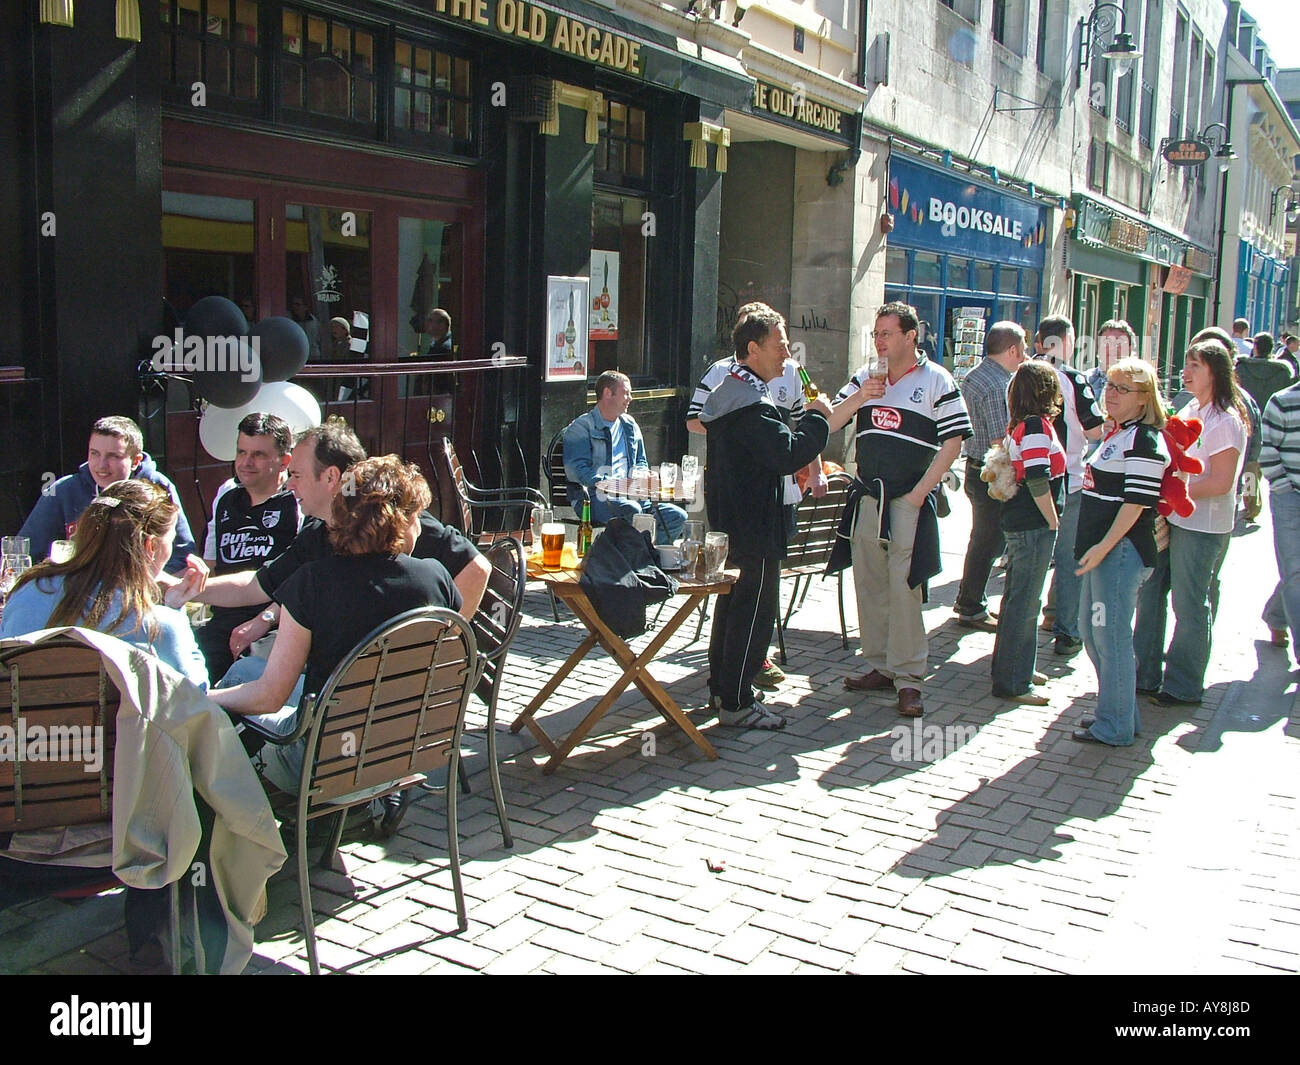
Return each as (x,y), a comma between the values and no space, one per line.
(999,473)
(1179,434)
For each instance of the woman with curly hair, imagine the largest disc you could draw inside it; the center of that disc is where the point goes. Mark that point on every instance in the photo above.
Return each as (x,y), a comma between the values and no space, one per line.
(1198,542)
(110,584)
(1116,545)
(1029,521)
(330,605)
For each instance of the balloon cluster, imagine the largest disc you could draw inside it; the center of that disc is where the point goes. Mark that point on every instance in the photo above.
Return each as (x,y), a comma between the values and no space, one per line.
(282,346)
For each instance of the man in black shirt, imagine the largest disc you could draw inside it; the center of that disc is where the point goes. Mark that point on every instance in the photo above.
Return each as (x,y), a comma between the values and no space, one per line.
(317,473)
(254,519)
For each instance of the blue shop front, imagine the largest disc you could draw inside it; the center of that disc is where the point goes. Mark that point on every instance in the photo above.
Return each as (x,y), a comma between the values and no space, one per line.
(1261,289)
(965,254)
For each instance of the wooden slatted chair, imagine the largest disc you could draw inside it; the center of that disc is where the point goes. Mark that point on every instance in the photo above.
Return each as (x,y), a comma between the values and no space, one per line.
(807,554)
(391,713)
(495,624)
(62,684)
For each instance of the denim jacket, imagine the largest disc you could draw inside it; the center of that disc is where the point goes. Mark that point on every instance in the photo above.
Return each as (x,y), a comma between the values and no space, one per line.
(587,458)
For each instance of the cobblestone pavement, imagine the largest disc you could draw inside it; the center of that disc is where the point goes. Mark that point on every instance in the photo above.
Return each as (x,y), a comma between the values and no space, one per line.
(1017,851)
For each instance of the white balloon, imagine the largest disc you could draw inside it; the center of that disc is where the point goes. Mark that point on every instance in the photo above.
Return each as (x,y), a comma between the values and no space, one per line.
(219,431)
(291,402)
(219,426)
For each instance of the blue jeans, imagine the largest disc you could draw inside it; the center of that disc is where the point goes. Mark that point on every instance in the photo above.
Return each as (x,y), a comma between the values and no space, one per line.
(669,518)
(1065,584)
(1016,646)
(281,765)
(1285,508)
(1107,599)
(1186,569)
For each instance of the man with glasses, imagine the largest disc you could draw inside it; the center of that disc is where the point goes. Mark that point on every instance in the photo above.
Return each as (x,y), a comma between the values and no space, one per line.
(1080,420)
(910,426)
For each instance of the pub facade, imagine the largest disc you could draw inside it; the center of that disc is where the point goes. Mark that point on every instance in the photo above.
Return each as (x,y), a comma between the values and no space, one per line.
(355,167)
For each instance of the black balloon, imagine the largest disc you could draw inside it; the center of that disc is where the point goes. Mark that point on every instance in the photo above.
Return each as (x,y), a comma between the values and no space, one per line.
(222,385)
(215,316)
(283,346)
(225,389)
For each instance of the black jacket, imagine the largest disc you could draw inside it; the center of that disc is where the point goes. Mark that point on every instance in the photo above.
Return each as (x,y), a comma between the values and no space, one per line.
(621,575)
(750,451)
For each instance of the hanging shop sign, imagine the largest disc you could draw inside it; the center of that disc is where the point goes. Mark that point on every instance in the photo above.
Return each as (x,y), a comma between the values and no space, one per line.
(794,107)
(1176,280)
(1186,153)
(947,212)
(1197,261)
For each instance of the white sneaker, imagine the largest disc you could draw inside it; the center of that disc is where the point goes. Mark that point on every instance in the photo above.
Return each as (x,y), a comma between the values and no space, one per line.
(755,715)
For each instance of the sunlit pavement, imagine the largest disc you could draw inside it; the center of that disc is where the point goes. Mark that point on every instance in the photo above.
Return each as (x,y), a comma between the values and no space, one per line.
(1004,847)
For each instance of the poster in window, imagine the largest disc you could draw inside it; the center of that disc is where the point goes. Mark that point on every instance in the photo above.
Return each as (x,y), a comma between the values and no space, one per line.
(604,304)
(566,328)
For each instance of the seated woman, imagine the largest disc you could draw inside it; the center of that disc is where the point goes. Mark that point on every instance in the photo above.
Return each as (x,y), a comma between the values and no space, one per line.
(110,584)
(330,605)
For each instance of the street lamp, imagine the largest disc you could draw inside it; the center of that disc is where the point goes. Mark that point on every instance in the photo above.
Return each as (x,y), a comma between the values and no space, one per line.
(1223,152)
(1292,205)
(1122,51)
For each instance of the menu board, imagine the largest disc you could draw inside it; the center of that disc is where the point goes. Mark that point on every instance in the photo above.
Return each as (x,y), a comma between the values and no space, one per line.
(968,341)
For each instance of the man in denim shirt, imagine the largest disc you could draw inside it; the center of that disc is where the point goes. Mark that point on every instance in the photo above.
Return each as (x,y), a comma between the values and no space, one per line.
(606,443)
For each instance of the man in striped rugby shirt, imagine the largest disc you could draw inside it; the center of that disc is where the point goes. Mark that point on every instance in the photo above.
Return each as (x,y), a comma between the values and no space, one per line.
(1279,459)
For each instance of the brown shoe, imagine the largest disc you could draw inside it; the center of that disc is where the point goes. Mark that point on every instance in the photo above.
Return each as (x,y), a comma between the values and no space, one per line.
(1277,637)
(909,702)
(868,682)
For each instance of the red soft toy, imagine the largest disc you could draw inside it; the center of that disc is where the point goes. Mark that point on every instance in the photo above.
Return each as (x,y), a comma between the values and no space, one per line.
(1179,434)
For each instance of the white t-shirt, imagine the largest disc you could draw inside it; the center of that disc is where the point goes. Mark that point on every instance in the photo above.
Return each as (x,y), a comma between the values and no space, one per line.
(1222,429)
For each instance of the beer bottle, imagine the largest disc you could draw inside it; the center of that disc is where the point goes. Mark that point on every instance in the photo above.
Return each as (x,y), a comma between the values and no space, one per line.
(584,530)
(809,389)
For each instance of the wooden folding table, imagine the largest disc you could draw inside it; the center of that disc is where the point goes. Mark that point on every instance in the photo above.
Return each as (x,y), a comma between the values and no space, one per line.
(564,584)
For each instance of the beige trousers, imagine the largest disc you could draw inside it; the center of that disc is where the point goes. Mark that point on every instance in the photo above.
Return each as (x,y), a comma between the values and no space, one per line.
(889,612)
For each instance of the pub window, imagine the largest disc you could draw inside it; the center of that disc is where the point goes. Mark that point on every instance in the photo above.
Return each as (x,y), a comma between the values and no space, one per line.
(617,328)
(327,67)
(432,96)
(214,42)
(327,264)
(958,272)
(621,148)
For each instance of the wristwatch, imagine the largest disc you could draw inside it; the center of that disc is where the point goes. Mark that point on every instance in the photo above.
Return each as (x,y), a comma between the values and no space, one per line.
(268,615)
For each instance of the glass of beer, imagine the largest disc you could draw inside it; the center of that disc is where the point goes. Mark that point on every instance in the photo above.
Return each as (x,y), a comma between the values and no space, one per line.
(552,544)
(715,554)
(668,478)
(878,367)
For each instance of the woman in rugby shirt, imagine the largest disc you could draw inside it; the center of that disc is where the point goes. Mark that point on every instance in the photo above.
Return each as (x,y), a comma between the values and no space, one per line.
(1116,546)
(1029,520)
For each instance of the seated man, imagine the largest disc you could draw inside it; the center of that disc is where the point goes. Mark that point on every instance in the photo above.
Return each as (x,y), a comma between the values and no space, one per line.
(606,443)
(318,469)
(116,453)
(254,519)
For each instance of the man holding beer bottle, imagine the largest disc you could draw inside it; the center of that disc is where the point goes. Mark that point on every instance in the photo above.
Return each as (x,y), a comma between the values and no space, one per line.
(751,453)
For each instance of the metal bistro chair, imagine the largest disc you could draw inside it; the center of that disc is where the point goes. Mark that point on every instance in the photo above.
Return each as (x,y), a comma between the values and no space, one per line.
(392,712)
(495,623)
(512,507)
(62,684)
(816,522)
(556,480)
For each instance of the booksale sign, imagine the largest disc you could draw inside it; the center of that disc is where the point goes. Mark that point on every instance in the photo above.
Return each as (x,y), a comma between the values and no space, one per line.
(949,212)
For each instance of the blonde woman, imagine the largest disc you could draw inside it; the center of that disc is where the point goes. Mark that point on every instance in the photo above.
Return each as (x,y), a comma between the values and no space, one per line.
(1116,546)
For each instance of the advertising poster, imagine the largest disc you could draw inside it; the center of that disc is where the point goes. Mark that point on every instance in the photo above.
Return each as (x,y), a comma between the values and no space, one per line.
(604,295)
(566,328)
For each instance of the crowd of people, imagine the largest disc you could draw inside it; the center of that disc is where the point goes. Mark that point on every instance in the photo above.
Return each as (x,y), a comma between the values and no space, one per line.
(1066,471)
(1090,473)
